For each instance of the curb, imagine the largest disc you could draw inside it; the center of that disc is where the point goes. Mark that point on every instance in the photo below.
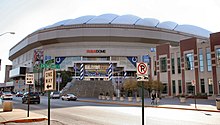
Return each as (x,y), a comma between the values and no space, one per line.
(166,107)
(25,120)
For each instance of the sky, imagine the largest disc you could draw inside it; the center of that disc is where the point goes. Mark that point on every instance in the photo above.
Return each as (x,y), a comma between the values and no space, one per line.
(26,16)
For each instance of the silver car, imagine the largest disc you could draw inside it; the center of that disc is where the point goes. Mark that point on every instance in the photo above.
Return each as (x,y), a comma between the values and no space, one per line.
(55,95)
(7,95)
(69,97)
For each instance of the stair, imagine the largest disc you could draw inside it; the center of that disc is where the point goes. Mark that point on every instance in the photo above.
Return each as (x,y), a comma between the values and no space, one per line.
(89,88)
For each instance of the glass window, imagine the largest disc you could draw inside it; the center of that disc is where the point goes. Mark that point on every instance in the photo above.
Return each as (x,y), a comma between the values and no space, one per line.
(190,88)
(180,86)
(202,82)
(174,86)
(172,63)
(201,61)
(164,88)
(163,64)
(210,86)
(189,61)
(218,56)
(209,59)
(155,65)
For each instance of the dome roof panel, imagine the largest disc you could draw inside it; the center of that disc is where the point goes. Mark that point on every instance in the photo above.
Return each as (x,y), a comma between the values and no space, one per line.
(193,30)
(126,19)
(167,25)
(148,22)
(80,20)
(102,19)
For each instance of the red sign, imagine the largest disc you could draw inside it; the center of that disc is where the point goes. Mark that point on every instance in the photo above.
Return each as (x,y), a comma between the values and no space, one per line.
(142,68)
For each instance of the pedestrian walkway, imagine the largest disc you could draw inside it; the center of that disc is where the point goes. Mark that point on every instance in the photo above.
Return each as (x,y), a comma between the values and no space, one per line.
(171,103)
(20,116)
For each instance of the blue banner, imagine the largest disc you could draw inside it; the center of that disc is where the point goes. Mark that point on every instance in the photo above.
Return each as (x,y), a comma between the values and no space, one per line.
(59,60)
(133,60)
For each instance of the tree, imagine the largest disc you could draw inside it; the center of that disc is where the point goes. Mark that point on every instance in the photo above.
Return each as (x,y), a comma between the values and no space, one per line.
(152,85)
(66,77)
(130,85)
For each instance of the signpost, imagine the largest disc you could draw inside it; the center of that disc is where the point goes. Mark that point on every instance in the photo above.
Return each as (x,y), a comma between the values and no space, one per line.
(29,81)
(142,75)
(194,85)
(50,84)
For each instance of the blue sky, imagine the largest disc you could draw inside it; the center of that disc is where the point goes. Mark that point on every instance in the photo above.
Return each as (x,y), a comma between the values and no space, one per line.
(25,16)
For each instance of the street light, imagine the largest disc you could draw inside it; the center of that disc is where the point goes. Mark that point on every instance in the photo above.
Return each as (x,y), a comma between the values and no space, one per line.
(6,33)
(58,82)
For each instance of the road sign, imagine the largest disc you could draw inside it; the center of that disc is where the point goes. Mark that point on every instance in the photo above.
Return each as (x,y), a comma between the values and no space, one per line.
(50,80)
(142,69)
(29,79)
(52,66)
(142,78)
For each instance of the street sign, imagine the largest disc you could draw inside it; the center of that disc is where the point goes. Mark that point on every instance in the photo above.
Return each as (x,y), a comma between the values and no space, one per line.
(29,79)
(52,66)
(50,80)
(142,69)
(142,78)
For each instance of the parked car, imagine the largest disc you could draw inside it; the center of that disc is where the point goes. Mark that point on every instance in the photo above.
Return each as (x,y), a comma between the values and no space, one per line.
(7,95)
(55,95)
(19,94)
(34,97)
(69,97)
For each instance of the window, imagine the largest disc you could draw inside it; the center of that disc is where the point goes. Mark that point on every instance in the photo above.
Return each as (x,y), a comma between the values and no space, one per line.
(163,64)
(210,86)
(155,65)
(174,86)
(189,61)
(218,56)
(180,86)
(190,88)
(208,58)
(202,82)
(164,88)
(201,61)
(178,63)
(172,63)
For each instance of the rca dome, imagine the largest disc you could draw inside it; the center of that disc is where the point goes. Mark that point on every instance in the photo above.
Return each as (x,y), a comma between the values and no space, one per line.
(120,40)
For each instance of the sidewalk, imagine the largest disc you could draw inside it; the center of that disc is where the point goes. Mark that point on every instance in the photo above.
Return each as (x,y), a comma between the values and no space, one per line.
(20,116)
(171,103)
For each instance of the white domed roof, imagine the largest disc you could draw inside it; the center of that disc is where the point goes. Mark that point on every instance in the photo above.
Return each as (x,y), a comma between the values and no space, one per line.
(103,19)
(148,22)
(132,20)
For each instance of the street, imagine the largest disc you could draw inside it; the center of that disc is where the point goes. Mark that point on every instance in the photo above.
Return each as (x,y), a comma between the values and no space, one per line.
(84,113)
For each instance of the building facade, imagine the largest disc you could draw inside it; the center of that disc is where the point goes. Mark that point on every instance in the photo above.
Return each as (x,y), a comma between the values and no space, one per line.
(99,42)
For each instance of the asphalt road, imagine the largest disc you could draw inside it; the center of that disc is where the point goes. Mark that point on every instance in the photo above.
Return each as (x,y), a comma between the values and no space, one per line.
(84,113)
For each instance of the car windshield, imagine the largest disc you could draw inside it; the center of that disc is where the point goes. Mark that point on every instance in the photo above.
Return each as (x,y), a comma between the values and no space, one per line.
(7,92)
(33,94)
(56,93)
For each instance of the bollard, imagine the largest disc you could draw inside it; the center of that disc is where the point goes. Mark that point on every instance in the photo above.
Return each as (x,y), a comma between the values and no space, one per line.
(7,106)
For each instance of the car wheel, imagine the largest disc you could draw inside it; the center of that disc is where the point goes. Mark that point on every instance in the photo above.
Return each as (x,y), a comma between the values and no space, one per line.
(62,99)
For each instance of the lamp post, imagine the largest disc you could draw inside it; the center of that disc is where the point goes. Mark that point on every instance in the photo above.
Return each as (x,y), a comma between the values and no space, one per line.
(58,82)
(6,33)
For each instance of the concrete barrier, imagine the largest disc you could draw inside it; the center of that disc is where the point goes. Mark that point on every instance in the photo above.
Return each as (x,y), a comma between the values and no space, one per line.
(7,106)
